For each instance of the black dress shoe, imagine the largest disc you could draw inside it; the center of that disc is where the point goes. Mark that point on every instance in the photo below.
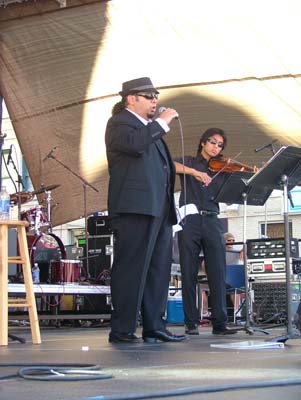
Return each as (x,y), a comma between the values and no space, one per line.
(224,331)
(192,330)
(163,336)
(116,337)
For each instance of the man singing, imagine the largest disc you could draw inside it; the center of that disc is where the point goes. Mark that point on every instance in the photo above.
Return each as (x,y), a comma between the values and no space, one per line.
(142,212)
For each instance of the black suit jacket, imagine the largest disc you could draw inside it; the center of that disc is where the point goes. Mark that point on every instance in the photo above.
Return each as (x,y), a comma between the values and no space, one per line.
(138,158)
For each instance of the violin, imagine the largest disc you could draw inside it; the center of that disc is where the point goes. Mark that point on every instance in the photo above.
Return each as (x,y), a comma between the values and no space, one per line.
(226,164)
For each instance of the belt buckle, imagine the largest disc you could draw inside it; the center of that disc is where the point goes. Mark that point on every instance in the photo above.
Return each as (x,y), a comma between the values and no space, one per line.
(203,213)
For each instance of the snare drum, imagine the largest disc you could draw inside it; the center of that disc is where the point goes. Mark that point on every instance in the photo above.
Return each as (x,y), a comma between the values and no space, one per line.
(65,271)
(36,217)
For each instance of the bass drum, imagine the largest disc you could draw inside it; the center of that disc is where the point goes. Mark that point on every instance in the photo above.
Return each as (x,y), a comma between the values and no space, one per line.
(46,248)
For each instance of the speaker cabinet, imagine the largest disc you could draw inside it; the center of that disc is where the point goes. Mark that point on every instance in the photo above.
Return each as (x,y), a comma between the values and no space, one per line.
(96,304)
(98,225)
(97,263)
(269,300)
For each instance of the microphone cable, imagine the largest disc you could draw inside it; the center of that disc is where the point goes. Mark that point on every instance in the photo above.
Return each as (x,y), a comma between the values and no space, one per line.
(184,173)
(161,109)
(7,169)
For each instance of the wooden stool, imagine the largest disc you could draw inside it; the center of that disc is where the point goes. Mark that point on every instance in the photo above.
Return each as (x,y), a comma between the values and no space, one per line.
(29,302)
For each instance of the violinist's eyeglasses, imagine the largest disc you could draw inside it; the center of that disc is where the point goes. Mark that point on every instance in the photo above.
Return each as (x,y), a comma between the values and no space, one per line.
(148,96)
(213,141)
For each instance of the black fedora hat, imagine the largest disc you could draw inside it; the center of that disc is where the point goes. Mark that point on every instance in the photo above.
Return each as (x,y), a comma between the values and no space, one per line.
(137,85)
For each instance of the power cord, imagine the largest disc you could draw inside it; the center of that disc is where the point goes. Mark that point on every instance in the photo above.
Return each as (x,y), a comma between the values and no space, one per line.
(57,372)
(198,389)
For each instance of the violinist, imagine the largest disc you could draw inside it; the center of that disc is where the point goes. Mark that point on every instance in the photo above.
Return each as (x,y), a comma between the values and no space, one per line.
(203,232)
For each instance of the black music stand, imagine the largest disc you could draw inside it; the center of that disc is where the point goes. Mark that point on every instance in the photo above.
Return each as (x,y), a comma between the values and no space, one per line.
(282,172)
(236,190)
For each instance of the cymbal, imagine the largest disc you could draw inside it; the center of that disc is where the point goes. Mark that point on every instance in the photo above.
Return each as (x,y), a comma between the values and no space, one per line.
(24,196)
(43,189)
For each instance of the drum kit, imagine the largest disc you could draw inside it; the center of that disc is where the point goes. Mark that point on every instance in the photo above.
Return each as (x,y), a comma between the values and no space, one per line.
(45,248)
(37,217)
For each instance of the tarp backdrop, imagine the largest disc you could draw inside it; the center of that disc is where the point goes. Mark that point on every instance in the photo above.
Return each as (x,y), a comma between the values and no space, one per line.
(234,65)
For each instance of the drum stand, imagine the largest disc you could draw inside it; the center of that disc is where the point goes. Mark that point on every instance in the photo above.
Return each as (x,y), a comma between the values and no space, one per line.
(85,184)
(48,202)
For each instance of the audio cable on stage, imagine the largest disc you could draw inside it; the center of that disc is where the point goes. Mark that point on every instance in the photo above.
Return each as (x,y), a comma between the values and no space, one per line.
(199,389)
(56,372)
(161,109)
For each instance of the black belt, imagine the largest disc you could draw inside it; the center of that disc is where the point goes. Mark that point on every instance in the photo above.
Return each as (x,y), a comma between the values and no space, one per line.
(205,213)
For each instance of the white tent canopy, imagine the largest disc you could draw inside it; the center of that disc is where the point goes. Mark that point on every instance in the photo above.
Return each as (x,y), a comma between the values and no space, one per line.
(233,65)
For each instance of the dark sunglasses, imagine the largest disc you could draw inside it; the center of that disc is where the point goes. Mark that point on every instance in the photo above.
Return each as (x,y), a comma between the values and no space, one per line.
(213,141)
(148,96)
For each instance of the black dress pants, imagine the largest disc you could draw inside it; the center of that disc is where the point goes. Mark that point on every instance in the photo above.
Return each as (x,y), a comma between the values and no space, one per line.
(140,271)
(203,233)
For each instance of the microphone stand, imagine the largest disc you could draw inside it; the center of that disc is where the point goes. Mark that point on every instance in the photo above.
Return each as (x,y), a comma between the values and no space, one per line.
(271,147)
(2,137)
(85,184)
(20,183)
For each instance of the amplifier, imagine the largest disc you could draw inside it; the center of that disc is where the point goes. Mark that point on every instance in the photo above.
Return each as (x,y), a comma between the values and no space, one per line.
(267,268)
(270,248)
(273,268)
(98,225)
(100,257)
(269,300)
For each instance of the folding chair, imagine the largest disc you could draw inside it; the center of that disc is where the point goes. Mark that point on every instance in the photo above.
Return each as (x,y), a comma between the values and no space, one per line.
(235,279)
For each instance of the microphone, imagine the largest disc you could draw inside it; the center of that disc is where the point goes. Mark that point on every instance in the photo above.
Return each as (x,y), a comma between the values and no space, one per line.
(265,146)
(49,155)
(9,157)
(161,109)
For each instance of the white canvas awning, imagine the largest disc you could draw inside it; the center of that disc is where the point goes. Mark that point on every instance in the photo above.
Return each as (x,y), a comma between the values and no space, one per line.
(233,65)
